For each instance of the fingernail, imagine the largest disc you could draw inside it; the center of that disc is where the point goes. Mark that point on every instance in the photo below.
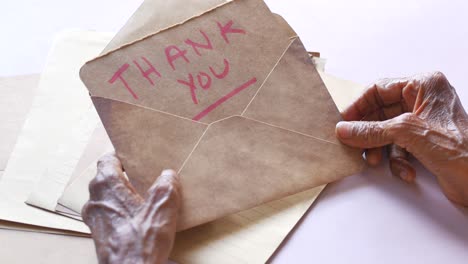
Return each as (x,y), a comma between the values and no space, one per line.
(168,173)
(344,130)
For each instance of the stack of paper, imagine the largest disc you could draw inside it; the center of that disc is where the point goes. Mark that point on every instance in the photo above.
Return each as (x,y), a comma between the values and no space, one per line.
(44,184)
(54,129)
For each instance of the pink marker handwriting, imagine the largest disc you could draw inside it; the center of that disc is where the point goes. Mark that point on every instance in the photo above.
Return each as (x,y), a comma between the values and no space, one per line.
(180,56)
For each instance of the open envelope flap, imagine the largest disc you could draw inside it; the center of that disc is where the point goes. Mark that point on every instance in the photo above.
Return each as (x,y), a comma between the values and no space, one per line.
(248,155)
(295,97)
(205,69)
(240,163)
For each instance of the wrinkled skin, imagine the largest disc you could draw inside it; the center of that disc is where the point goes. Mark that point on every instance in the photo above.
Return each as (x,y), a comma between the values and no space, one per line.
(421,115)
(126,227)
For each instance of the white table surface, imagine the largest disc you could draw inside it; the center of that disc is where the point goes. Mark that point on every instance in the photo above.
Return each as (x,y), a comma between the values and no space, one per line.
(367,218)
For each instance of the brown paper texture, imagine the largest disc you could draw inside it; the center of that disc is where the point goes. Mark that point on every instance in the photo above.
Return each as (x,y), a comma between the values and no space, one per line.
(244,134)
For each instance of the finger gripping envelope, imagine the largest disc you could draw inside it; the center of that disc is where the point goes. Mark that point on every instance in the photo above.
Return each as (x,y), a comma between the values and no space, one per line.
(229,98)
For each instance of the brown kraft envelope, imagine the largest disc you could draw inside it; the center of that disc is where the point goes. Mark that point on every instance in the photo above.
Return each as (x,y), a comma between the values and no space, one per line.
(230,100)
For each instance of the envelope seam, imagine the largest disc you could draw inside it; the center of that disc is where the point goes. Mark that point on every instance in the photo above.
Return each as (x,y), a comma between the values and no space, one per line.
(268,75)
(149,108)
(193,149)
(275,126)
(293,131)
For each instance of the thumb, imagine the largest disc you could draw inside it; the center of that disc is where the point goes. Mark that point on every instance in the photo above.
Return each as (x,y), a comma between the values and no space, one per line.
(365,134)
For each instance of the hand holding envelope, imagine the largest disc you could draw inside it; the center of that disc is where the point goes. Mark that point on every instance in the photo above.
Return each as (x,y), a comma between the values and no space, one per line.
(231,100)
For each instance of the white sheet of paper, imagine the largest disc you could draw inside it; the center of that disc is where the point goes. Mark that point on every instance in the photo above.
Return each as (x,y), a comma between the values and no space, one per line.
(60,101)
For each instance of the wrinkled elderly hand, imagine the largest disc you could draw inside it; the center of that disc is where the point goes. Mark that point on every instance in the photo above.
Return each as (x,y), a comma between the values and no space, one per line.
(127,228)
(421,115)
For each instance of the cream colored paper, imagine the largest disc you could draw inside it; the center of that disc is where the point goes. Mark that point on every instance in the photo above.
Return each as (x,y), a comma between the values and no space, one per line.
(19,92)
(59,102)
(38,229)
(342,91)
(15,102)
(251,236)
(38,248)
(62,163)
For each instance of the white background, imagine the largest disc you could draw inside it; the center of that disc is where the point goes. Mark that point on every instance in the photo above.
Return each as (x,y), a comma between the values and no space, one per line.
(368,218)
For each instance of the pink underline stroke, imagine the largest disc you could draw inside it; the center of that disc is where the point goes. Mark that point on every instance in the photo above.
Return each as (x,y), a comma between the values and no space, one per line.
(224,99)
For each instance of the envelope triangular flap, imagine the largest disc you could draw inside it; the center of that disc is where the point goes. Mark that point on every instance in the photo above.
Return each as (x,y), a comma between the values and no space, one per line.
(237,44)
(240,163)
(295,97)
